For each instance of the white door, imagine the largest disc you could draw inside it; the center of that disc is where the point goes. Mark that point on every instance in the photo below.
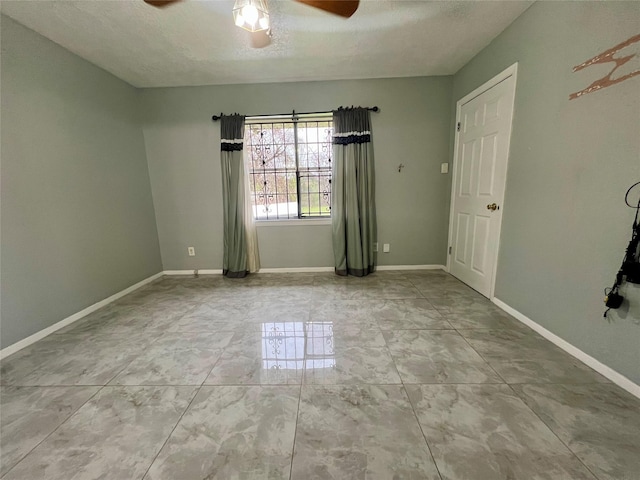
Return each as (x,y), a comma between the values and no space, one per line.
(480,170)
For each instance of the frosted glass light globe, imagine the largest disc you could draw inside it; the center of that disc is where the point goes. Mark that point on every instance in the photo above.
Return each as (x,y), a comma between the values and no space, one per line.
(250,14)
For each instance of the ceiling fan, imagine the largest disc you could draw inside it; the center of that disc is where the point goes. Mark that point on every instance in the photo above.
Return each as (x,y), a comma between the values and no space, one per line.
(262,37)
(344,8)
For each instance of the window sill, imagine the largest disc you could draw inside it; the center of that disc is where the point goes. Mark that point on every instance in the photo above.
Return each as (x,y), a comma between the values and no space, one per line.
(294,222)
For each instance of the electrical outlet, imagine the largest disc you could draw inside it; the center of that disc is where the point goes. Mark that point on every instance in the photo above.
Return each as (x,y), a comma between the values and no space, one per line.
(444,168)
(192,251)
(386,248)
(375,246)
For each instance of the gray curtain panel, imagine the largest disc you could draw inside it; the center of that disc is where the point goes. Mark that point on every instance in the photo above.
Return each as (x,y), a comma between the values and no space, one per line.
(353,206)
(233,196)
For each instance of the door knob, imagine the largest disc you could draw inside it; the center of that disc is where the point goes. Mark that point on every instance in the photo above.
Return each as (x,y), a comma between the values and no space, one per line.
(493,207)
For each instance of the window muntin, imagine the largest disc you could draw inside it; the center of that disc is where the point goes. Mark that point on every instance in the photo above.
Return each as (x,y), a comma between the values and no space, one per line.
(289,167)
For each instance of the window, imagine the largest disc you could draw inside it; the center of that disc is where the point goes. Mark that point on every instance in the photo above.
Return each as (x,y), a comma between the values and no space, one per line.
(289,166)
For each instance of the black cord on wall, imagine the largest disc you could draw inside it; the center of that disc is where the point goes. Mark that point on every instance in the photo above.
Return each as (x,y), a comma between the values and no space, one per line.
(630,268)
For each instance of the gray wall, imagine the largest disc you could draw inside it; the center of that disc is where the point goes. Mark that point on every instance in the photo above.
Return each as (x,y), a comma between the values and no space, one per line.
(565,225)
(77,215)
(412,128)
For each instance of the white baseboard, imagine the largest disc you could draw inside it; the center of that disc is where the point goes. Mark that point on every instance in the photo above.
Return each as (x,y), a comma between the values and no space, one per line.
(297,270)
(585,358)
(190,272)
(262,270)
(410,267)
(25,342)
(308,269)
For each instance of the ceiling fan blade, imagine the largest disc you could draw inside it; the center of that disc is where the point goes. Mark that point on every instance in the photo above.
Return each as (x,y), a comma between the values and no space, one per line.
(160,3)
(344,8)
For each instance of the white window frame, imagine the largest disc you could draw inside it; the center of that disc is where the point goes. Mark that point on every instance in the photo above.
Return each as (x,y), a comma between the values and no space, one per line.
(288,119)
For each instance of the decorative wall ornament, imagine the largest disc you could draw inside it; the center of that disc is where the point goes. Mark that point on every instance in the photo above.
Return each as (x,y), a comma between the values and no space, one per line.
(608,57)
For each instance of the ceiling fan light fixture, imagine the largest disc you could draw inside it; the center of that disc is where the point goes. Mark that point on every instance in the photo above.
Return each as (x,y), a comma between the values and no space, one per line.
(252,15)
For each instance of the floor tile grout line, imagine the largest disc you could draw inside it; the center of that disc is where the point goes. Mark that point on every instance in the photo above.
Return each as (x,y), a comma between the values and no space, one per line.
(133,308)
(482,357)
(155,340)
(422,295)
(295,431)
(458,330)
(30,372)
(215,363)
(152,343)
(82,385)
(54,430)
(393,360)
(552,431)
(459,383)
(133,359)
(415,414)
(561,383)
(378,384)
(197,390)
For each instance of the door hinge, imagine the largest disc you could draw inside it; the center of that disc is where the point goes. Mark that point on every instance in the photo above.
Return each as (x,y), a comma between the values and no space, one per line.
(449,250)
(459,125)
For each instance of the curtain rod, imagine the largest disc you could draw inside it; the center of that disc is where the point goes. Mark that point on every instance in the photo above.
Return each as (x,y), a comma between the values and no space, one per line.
(215,118)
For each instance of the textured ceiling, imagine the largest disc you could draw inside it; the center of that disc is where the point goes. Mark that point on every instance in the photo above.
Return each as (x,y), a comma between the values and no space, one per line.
(196,42)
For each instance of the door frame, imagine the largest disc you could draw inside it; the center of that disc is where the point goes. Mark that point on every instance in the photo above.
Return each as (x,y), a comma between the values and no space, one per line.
(511,71)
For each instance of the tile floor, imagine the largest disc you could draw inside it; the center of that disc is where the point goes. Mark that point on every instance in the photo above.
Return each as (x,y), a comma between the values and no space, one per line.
(400,375)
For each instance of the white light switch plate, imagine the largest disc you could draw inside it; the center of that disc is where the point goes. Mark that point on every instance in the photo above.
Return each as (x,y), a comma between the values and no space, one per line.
(444,168)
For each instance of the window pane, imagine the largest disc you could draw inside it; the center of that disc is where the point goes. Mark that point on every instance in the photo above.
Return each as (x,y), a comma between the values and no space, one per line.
(313,155)
(290,156)
(315,193)
(326,149)
(315,169)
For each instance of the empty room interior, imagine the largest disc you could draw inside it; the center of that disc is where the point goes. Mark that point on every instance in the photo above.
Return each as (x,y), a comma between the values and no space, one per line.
(320,240)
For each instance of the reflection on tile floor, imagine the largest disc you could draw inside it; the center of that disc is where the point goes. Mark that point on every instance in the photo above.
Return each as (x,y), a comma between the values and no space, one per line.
(399,375)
